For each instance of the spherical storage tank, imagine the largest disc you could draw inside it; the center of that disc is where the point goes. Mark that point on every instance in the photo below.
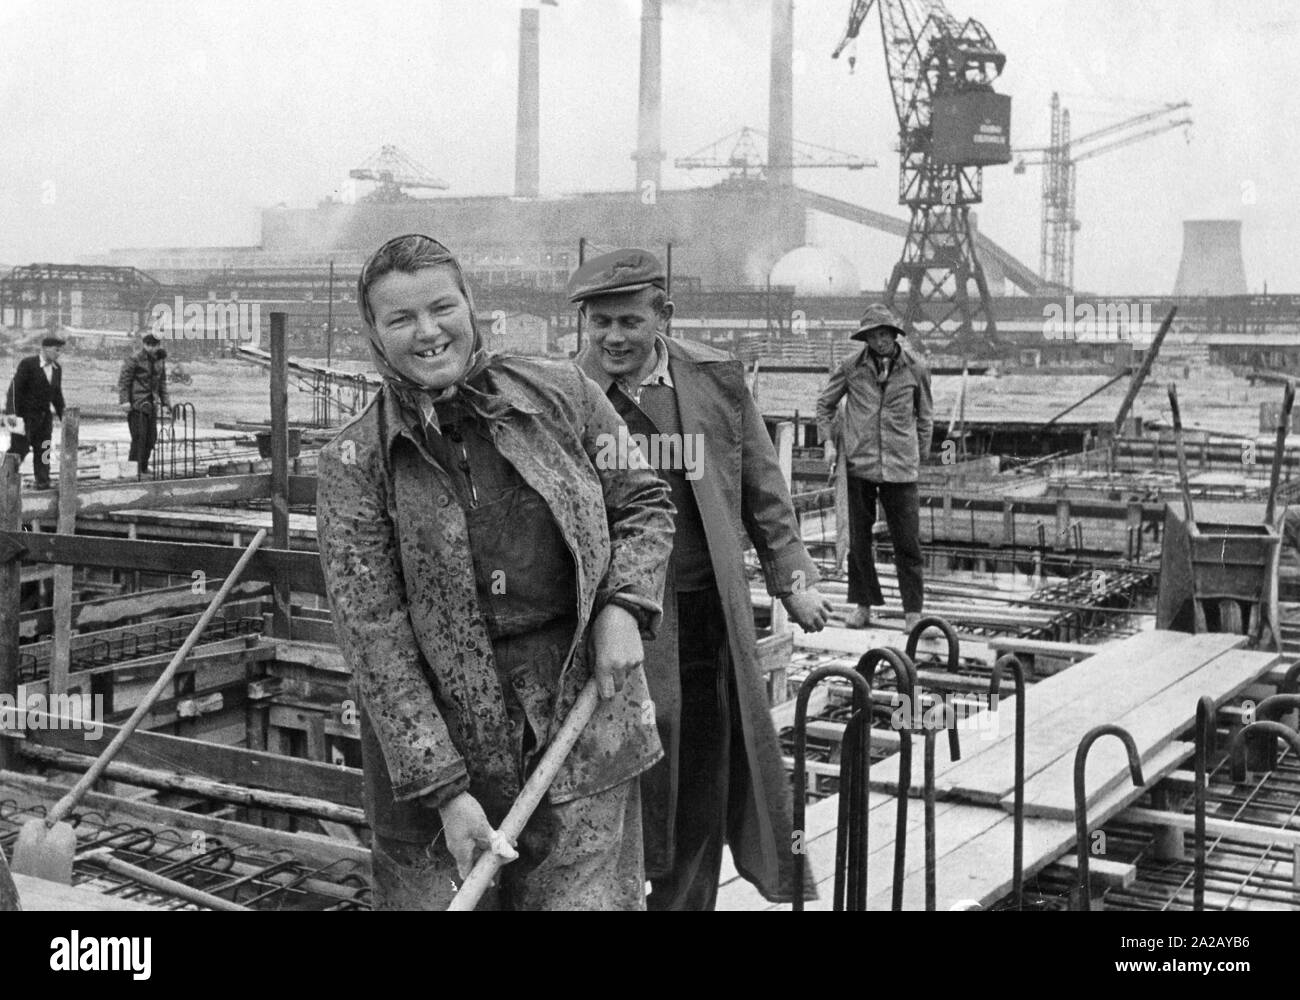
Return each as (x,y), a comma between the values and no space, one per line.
(816,271)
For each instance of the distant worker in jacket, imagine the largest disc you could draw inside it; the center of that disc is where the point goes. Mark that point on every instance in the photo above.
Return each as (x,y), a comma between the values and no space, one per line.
(723,780)
(36,396)
(885,433)
(482,565)
(142,394)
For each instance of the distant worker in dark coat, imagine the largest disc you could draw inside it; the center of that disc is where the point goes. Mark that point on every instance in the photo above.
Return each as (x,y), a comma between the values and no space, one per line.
(723,781)
(885,433)
(36,396)
(142,394)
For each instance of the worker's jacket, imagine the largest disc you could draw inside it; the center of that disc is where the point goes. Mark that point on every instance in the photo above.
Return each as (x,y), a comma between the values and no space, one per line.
(401,581)
(142,382)
(886,426)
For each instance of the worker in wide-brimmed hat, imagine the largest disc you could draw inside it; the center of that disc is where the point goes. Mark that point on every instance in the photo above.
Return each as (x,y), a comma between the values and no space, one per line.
(723,781)
(36,397)
(885,432)
(482,565)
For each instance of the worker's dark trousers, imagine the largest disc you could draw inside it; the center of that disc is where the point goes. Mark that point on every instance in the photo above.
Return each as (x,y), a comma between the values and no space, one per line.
(144,432)
(707,728)
(37,440)
(901,502)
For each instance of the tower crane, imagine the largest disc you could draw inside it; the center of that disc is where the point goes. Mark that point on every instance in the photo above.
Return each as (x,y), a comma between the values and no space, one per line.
(951,124)
(1059,159)
(393,172)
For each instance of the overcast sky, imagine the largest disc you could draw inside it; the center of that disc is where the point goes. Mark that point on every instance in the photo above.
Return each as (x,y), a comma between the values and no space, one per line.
(151,123)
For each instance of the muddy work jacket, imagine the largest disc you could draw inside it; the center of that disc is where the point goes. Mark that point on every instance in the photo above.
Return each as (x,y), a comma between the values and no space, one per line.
(395,546)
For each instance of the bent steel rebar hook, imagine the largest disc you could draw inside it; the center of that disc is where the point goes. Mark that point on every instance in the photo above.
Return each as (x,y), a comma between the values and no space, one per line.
(1081,795)
(855,763)
(954,666)
(1262,756)
(1275,729)
(1017,668)
(1206,731)
(905,681)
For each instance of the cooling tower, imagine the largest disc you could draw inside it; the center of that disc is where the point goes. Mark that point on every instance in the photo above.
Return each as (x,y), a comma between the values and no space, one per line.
(528,120)
(1212,262)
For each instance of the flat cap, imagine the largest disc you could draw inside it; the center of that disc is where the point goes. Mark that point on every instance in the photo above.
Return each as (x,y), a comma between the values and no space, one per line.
(878,314)
(617,273)
(52,341)
(149,340)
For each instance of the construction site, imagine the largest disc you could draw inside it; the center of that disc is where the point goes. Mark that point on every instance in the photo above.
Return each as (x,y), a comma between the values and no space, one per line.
(1109,651)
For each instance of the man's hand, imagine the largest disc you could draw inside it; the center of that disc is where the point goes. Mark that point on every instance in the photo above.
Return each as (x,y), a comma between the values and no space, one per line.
(126,407)
(469,833)
(808,608)
(616,642)
(828,451)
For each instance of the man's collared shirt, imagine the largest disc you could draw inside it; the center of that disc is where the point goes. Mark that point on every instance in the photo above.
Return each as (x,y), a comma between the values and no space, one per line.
(658,376)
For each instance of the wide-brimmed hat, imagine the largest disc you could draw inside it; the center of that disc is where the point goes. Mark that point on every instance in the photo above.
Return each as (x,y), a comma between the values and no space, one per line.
(877,315)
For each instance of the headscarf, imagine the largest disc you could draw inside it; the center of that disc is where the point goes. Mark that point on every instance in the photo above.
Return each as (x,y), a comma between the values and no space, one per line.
(421,399)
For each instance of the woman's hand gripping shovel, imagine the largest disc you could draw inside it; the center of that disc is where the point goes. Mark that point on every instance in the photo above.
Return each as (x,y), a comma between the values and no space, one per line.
(490,862)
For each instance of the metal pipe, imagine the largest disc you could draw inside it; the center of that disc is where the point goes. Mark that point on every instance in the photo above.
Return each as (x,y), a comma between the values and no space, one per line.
(1081,796)
(931,859)
(1012,662)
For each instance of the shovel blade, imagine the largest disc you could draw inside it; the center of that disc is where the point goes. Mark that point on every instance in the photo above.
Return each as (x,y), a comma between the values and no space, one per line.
(45,852)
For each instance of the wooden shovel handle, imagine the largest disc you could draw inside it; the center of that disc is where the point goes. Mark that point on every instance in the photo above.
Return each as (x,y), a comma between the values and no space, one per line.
(489,862)
(69,801)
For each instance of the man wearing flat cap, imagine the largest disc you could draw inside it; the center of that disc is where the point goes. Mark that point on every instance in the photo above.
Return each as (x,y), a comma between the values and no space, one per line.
(36,396)
(885,432)
(142,394)
(722,780)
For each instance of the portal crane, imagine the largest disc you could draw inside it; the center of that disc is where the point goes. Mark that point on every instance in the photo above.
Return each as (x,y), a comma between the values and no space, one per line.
(739,152)
(951,124)
(1059,159)
(393,172)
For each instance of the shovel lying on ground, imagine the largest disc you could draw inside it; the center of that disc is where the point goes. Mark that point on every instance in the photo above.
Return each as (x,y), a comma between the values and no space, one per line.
(45,847)
(490,862)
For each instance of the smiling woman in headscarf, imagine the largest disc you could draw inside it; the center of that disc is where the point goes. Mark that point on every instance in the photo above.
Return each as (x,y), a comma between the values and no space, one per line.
(481,567)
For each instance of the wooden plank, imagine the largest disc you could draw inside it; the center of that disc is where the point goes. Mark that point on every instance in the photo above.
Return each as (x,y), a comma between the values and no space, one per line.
(1042,647)
(95,500)
(61,657)
(300,570)
(233,765)
(1111,874)
(307,847)
(107,612)
(1152,724)
(10,589)
(979,868)
(1064,707)
(282,615)
(40,894)
(1246,833)
(203,788)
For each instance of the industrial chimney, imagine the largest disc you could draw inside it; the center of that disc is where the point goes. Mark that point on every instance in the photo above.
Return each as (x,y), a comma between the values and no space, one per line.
(1212,262)
(780,125)
(528,121)
(648,154)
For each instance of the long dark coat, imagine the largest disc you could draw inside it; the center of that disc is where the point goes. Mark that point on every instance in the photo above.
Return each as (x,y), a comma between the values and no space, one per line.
(741,493)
